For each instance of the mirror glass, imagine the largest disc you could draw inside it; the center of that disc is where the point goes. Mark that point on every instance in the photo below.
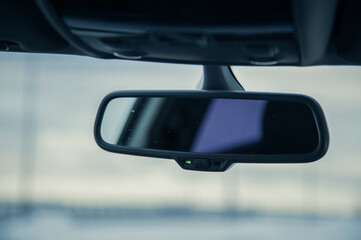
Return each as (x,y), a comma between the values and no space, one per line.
(210,125)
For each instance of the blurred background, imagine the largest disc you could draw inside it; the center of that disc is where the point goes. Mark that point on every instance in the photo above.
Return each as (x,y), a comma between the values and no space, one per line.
(55,180)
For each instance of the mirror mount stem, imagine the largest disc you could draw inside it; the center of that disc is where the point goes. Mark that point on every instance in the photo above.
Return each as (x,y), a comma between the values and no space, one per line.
(219,78)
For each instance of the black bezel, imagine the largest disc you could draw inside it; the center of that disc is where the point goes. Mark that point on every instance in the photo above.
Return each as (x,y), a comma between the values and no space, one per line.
(224,161)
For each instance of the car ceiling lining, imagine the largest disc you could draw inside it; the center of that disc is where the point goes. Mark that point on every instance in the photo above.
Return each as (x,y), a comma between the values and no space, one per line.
(315,32)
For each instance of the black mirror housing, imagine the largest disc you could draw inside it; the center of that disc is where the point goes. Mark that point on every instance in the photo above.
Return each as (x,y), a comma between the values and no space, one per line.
(212,130)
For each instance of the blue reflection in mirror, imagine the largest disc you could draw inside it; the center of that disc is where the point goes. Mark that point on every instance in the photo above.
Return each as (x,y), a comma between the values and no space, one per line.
(228,124)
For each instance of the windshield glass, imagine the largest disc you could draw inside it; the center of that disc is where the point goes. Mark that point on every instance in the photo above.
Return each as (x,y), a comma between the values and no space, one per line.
(53,175)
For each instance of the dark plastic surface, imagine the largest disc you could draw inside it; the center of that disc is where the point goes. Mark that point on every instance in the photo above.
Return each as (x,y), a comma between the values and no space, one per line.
(23,28)
(220,162)
(47,8)
(280,32)
(349,44)
(267,44)
(219,78)
(314,21)
(259,32)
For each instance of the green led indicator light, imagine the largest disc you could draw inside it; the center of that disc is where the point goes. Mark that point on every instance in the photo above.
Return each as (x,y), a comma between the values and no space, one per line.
(188,162)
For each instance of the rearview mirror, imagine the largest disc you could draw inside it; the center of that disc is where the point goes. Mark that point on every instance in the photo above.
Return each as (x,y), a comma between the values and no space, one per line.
(211,130)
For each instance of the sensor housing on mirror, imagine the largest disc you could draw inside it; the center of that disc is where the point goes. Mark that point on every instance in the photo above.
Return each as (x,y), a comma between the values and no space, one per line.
(211,130)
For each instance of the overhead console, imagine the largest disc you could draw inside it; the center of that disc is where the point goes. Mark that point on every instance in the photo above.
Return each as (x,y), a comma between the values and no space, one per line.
(223,32)
(258,32)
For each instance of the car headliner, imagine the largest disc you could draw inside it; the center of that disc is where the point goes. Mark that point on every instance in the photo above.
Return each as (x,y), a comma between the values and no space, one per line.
(326,32)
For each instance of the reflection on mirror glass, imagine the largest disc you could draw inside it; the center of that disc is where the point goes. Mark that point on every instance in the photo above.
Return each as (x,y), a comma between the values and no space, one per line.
(209,125)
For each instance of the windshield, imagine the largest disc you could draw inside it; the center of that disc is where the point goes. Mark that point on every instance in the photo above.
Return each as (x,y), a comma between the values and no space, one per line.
(53,176)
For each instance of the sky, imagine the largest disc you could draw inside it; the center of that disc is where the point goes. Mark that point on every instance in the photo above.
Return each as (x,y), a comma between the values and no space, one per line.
(48,105)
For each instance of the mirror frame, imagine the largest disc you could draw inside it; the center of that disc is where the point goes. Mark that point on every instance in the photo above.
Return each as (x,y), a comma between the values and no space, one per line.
(224,161)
